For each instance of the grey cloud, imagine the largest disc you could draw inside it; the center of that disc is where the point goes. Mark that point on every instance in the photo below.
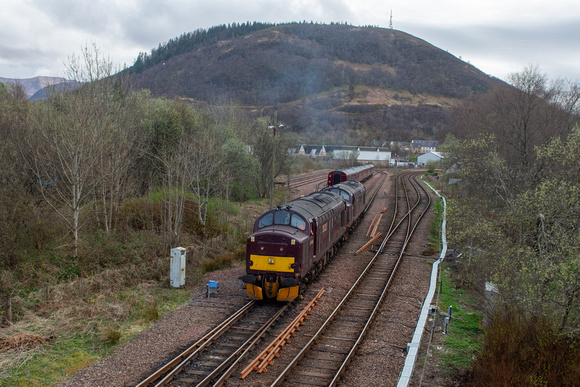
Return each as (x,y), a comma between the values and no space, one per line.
(514,46)
(127,27)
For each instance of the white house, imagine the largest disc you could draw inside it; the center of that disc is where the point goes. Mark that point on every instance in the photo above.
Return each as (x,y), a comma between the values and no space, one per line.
(424,146)
(373,154)
(431,156)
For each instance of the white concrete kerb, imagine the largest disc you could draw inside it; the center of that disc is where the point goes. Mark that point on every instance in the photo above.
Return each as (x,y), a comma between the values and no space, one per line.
(413,346)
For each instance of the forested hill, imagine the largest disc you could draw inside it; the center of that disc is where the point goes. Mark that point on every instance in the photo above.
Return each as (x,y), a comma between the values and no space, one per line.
(333,76)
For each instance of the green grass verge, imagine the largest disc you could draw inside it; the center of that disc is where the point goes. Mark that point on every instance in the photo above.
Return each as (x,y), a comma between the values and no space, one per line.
(463,340)
(53,364)
(435,230)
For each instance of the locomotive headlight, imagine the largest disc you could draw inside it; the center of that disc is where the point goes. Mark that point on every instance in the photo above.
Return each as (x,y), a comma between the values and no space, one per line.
(281,249)
(262,248)
(253,239)
(293,242)
(271,260)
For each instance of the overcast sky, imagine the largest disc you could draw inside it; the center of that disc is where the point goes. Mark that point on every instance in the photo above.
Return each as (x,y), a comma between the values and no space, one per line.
(37,37)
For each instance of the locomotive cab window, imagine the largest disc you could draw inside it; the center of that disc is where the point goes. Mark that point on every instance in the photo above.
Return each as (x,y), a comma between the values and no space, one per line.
(340,192)
(298,222)
(282,218)
(266,220)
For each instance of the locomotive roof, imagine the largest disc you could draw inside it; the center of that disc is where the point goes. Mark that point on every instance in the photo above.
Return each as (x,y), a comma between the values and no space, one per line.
(314,204)
(350,186)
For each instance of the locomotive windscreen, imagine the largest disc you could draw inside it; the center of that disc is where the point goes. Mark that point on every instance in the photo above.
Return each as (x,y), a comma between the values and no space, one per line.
(283,218)
(340,192)
(336,178)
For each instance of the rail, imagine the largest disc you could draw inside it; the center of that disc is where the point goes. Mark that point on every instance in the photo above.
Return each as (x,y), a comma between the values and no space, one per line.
(248,333)
(413,346)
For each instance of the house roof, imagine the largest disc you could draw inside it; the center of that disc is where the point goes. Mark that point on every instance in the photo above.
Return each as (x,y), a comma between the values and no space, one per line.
(438,154)
(424,143)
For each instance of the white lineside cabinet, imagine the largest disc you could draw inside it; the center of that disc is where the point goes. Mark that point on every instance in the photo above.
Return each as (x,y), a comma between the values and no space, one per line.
(177,271)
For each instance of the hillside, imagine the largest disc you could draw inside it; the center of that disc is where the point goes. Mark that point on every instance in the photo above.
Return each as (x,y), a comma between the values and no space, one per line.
(32,85)
(331,82)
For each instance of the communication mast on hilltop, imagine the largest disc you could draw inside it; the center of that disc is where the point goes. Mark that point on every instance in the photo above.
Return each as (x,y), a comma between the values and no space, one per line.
(391,21)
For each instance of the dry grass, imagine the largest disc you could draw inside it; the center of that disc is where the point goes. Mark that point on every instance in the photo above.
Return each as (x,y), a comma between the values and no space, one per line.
(23,341)
(91,307)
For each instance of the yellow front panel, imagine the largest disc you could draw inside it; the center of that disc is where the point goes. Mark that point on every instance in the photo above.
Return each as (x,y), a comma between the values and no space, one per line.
(268,263)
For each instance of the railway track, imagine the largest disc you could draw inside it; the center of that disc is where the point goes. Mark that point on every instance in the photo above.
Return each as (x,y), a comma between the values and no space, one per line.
(315,177)
(325,357)
(212,359)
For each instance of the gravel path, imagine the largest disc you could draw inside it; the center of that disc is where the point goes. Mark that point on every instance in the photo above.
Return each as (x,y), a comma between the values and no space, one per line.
(378,362)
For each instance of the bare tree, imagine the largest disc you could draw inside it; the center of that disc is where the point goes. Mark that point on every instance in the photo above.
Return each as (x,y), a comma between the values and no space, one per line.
(63,151)
(206,168)
(175,182)
(122,146)
(518,209)
(508,124)
(71,137)
(262,144)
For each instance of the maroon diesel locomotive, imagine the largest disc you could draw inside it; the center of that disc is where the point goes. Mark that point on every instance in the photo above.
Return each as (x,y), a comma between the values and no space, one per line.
(360,173)
(353,193)
(293,242)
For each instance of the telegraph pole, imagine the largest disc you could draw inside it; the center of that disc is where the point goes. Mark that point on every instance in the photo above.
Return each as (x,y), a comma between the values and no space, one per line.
(273,128)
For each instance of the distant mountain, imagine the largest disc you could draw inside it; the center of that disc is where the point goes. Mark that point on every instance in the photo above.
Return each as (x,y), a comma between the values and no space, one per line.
(332,81)
(62,87)
(32,85)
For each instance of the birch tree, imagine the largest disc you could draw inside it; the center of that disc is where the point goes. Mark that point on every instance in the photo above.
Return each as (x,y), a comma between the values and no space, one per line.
(175,182)
(122,147)
(206,168)
(70,139)
(64,151)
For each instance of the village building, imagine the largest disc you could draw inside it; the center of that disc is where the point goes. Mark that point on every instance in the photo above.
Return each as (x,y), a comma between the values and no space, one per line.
(373,155)
(430,156)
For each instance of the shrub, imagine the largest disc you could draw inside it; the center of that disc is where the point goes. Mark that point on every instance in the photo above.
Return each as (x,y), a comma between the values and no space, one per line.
(141,213)
(522,351)
(150,312)
(24,228)
(224,261)
(111,336)
(242,192)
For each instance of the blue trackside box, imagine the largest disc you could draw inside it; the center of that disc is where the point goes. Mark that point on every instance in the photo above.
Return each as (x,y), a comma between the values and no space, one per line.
(212,286)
